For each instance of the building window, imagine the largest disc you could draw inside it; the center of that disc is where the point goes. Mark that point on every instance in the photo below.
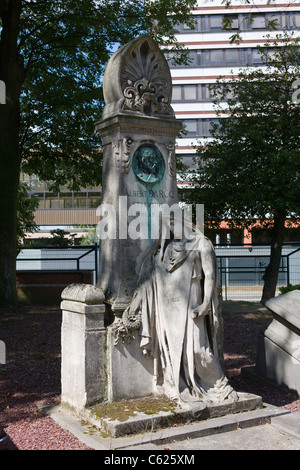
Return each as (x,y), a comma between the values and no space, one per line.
(189,160)
(258,22)
(207,92)
(246,22)
(212,57)
(41,198)
(193,59)
(190,92)
(234,19)
(296,20)
(257,57)
(191,127)
(216,57)
(216,22)
(94,199)
(223,57)
(232,57)
(51,200)
(210,124)
(204,23)
(276,20)
(193,92)
(80,200)
(66,200)
(199,127)
(185,27)
(176,93)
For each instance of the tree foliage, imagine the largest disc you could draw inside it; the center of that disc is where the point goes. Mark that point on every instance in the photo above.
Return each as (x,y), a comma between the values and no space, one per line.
(25,214)
(249,171)
(65,46)
(52,58)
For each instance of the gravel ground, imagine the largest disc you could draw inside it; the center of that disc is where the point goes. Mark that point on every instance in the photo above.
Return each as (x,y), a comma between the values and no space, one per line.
(31,376)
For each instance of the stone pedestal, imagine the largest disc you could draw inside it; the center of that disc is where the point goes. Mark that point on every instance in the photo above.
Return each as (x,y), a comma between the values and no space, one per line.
(83,372)
(122,137)
(278,352)
(148,278)
(129,373)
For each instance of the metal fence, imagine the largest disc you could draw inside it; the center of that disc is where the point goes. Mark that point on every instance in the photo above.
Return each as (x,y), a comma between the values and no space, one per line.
(76,258)
(241,268)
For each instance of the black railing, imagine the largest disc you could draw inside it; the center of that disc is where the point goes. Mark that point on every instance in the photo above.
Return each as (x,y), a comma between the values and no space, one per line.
(241,267)
(241,274)
(75,258)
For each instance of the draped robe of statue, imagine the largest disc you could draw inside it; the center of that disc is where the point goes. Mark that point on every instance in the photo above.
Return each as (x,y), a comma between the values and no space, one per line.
(177,300)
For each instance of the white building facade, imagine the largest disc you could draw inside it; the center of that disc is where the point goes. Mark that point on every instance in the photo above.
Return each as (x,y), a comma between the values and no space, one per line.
(213,55)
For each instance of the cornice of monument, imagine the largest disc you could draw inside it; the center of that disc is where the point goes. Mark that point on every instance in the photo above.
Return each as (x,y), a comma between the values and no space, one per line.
(138,121)
(137,81)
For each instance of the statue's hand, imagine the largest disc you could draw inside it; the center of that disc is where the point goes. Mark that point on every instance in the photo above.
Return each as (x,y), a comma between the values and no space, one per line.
(201,311)
(134,307)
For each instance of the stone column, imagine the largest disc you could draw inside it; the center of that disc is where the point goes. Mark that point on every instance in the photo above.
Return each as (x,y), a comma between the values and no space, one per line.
(138,131)
(122,139)
(83,371)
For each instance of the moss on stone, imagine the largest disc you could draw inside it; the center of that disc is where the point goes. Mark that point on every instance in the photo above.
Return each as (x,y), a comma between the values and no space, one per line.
(125,409)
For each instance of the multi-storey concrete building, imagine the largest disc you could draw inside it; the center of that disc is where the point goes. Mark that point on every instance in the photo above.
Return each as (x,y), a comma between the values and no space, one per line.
(212,55)
(66,209)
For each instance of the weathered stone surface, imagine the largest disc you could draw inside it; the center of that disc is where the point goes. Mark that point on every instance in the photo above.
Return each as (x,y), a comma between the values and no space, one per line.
(139,422)
(130,374)
(83,369)
(287,307)
(81,307)
(278,355)
(85,293)
(137,80)
(160,285)
(137,117)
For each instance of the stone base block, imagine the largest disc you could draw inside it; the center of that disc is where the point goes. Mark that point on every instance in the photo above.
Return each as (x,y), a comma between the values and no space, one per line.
(143,415)
(130,374)
(278,349)
(277,365)
(83,374)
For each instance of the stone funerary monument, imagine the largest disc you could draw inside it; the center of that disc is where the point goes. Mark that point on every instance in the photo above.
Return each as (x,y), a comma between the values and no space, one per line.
(152,324)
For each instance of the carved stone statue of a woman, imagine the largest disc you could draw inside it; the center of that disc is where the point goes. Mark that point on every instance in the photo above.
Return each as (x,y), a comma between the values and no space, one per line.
(177,303)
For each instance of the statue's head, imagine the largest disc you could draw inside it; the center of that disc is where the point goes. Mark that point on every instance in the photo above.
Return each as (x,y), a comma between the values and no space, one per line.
(149,160)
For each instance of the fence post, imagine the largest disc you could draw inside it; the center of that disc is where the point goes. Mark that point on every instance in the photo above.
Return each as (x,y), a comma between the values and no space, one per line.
(96,263)
(2,92)
(287,270)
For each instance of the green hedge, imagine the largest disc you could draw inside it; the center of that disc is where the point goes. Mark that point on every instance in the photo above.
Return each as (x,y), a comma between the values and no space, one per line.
(289,288)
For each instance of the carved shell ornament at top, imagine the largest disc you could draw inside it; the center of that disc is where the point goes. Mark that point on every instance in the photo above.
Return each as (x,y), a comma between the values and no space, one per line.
(144,82)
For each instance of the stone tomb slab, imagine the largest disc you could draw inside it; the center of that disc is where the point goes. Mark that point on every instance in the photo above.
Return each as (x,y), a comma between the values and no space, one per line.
(278,352)
(127,417)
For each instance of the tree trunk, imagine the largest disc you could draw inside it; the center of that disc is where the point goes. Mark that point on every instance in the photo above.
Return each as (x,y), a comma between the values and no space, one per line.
(9,177)
(271,274)
(12,73)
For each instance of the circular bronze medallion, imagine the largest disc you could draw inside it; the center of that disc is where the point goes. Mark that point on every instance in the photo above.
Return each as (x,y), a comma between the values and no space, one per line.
(148,164)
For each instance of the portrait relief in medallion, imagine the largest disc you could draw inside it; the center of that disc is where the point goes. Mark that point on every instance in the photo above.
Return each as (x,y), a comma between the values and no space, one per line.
(148,164)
